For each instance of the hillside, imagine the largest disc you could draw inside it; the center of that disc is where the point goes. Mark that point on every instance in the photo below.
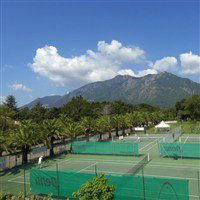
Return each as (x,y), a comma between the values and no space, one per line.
(163,89)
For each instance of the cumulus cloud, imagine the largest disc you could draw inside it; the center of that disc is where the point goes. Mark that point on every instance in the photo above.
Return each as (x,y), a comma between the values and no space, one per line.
(147,71)
(139,74)
(190,63)
(19,86)
(92,66)
(166,63)
(126,72)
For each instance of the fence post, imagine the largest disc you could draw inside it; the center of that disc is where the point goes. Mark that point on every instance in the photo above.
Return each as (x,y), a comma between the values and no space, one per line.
(24,170)
(58,186)
(95,169)
(198,176)
(143,184)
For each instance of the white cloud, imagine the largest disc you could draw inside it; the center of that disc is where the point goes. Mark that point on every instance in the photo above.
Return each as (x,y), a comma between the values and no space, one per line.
(166,63)
(19,86)
(139,74)
(93,66)
(147,71)
(190,63)
(126,72)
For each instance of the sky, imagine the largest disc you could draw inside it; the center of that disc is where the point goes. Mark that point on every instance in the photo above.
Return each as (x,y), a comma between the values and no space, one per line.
(53,47)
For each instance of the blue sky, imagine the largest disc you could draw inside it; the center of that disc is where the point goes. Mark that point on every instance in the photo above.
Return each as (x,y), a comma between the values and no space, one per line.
(51,47)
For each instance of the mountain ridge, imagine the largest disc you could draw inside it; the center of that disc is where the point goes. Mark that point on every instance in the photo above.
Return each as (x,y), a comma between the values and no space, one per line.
(163,89)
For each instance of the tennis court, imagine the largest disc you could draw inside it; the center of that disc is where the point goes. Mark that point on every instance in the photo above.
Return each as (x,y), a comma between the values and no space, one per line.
(121,167)
(124,166)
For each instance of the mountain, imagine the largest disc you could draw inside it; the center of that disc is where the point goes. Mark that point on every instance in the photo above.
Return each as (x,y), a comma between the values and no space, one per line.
(163,89)
(47,101)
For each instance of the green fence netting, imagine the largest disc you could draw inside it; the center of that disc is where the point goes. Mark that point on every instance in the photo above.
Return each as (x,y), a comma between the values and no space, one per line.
(62,184)
(190,150)
(110,148)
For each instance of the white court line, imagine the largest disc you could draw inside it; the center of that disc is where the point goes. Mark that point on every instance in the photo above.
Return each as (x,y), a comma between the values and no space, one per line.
(119,163)
(163,166)
(98,160)
(87,167)
(21,182)
(27,173)
(162,163)
(151,142)
(156,164)
(185,140)
(151,147)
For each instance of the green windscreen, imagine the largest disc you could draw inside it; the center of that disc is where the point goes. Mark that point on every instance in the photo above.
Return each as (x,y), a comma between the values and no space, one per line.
(62,184)
(112,148)
(190,150)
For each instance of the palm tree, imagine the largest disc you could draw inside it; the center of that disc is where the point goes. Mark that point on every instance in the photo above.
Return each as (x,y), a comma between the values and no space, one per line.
(116,121)
(123,123)
(98,127)
(129,117)
(2,141)
(88,126)
(23,138)
(105,124)
(50,131)
(72,130)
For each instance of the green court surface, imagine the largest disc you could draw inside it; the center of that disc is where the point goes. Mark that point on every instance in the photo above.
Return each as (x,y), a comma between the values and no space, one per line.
(18,179)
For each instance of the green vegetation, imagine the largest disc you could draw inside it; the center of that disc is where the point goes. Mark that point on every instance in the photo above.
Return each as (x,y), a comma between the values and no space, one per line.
(23,130)
(21,197)
(96,189)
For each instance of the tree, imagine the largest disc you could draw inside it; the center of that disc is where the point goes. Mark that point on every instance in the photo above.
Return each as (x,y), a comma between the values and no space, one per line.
(192,107)
(103,125)
(71,130)
(88,126)
(23,138)
(107,125)
(50,131)
(130,121)
(3,141)
(117,124)
(23,114)
(96,189)
(77,108)
(38,112)
(10,102)
(119,107)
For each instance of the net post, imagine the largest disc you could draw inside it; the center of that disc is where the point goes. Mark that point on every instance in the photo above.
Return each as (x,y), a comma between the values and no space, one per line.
(148,156)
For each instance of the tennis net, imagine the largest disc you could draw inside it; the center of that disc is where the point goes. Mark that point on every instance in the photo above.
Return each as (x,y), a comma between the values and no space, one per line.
(140,165)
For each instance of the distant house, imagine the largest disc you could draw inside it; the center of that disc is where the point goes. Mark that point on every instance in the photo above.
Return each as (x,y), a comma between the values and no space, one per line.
(17,123)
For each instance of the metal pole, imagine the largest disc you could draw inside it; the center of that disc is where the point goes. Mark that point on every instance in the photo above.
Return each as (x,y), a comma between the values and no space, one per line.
(24,179)
(143,183)
(58,186)
(95,170)
(198,176)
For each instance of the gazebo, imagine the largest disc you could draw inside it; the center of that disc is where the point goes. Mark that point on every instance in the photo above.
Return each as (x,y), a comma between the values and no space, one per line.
(162,126)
